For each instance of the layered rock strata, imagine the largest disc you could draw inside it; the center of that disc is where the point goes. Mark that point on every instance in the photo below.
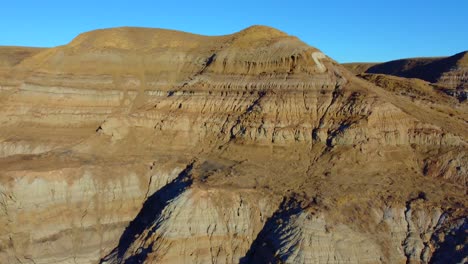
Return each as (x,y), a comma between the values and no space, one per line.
(134,145)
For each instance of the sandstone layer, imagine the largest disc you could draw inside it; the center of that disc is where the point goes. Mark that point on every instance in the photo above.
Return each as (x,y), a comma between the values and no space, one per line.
(137,145)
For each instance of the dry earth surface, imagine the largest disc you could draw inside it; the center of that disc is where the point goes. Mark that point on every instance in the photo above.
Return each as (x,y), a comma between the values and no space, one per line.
(138,145)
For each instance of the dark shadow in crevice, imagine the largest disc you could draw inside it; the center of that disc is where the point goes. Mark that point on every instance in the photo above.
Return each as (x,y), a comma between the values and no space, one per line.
(150,212)
(448,250)
(269,239)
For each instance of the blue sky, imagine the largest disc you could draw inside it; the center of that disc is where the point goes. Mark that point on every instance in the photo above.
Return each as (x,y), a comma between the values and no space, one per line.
(346,30)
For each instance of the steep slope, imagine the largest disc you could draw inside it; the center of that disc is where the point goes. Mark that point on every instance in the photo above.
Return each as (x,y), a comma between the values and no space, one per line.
(133,145)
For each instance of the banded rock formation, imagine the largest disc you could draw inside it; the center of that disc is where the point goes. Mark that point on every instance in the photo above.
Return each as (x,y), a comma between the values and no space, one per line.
(133,145)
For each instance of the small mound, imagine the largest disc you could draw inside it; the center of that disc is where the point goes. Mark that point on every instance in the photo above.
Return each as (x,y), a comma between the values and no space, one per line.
(257,31)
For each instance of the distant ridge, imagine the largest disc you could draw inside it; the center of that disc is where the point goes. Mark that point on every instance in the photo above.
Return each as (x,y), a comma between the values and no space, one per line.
(451,72)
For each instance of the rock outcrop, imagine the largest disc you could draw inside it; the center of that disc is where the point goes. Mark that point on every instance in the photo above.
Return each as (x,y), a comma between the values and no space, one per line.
(136,145)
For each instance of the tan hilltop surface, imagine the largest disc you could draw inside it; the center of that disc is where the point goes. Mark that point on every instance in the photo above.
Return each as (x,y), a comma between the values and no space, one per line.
(138,145)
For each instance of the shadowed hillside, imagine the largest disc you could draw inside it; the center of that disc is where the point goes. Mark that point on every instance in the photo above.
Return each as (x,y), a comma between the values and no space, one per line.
(451,72)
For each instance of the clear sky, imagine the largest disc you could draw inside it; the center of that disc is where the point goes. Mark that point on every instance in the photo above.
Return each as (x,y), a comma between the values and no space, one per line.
(346,30)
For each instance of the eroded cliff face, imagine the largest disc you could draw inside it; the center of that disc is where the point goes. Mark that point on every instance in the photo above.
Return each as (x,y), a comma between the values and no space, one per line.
(135,145)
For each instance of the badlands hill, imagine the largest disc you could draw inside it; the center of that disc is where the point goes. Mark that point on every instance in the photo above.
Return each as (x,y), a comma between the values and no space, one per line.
(448,72)
(137,145)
